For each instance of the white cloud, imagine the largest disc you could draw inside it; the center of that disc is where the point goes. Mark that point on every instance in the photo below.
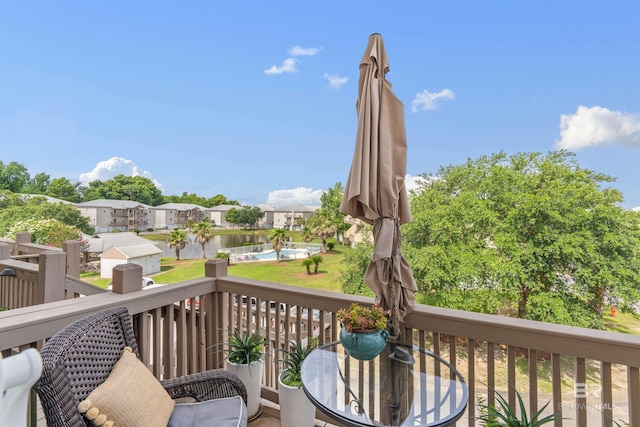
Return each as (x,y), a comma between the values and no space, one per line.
(590,127)
(426,100)
(302,195)
(288,66)
(412,182)
(335,81)
(107,169)
(301,51)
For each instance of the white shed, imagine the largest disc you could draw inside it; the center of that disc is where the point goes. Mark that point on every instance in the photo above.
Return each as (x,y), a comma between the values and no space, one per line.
(146,255)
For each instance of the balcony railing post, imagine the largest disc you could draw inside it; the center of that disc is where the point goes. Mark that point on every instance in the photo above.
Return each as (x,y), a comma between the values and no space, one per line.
(126,278)
(72,249)
(5,251)
(21,239)
(215,268)
(51,277)
(216,322)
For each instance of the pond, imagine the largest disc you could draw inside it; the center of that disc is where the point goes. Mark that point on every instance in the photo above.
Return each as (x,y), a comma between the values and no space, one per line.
(193,250)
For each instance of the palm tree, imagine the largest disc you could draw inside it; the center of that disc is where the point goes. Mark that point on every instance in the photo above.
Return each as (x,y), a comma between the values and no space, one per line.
(307,263)
(177,241)
(306,233)
(276,237)
(323,226)
(204,232)
(316,259)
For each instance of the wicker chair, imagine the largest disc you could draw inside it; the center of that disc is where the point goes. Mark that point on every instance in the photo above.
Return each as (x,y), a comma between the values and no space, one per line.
(80,357)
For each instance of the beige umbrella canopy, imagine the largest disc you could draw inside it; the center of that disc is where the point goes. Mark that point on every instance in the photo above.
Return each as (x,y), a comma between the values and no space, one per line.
(375,190)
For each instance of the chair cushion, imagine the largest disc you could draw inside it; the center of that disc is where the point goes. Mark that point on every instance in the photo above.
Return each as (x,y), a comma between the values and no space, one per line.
(224,412)
(130,396)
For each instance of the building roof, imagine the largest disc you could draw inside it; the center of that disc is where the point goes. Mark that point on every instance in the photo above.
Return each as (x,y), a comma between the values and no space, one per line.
(113,204)
(103,241)
(180,206)
(136,250)
(267,208)
(48,198)
(294,207)
(224,208)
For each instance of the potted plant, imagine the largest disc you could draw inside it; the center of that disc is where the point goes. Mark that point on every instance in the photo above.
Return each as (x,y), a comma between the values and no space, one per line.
(490,416)
(245,358)
(363,333)
(296,410)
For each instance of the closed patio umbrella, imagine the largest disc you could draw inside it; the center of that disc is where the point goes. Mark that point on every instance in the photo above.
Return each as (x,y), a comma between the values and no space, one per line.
(375,191)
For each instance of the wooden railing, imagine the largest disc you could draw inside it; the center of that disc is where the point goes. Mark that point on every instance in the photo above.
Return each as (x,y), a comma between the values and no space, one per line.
(591,377)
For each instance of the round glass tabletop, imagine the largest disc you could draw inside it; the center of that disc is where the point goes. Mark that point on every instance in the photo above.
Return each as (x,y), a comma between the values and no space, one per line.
(403,386)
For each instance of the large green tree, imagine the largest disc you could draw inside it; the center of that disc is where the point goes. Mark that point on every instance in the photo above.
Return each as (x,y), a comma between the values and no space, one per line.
(330,202)
(49,232)
(232,216)
(534,229)
(249,216)
(13,177)
(122,187)
(15,208)
(38,184)
(62,188)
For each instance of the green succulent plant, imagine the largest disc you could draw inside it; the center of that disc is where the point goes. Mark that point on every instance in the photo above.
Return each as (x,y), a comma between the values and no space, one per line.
(293,359)
(491,416)
(245,348)
(359,317)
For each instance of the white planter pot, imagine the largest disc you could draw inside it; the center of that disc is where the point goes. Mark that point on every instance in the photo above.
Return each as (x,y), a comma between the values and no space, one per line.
(251,376)
(296,410)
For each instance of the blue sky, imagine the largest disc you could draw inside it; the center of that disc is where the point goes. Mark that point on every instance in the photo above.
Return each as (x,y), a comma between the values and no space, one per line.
(256,99)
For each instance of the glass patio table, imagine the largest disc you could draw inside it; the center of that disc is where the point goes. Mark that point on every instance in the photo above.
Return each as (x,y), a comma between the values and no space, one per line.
(403,386)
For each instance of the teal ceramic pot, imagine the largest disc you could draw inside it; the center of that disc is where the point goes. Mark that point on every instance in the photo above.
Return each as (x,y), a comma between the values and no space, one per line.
(363,345)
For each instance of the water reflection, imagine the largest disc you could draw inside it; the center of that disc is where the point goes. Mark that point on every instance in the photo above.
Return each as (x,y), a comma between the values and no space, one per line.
(193,250)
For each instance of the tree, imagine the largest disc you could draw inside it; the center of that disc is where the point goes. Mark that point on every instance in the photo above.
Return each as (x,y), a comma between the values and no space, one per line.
(306,233)
(249,216)
(93,191)
(232,216)
(204,232)
(62,188)
(524,227)
(216,200)
(177,241)
(355,263)
(187,198)
(276,237)
(121,187)
(317,260)
(322,224)
(49,232)
(307,262)
(38,184)
(331,200)
(14,208)
(13,177)
(225,256)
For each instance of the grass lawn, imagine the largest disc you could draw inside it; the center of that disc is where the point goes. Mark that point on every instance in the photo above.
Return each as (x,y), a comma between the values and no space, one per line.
(290,272)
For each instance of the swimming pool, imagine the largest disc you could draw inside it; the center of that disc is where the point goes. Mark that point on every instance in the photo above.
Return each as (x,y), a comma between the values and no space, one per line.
(284,254)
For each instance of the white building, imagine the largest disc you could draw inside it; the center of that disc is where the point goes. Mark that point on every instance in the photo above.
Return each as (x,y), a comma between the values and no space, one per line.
(107,215)
(171,216)
(146,255)
(291,216)
(217,214)
(267,219)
